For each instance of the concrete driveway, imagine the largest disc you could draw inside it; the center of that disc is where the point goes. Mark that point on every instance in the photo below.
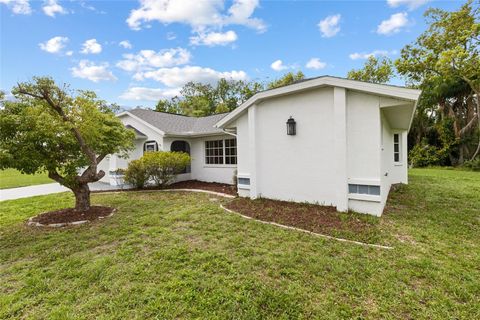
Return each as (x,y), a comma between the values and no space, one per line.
(43,189)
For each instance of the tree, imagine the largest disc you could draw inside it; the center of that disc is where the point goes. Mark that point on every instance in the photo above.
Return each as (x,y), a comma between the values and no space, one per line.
(374,70)
(49,128)
(447,55)
(286,79)
(200,99)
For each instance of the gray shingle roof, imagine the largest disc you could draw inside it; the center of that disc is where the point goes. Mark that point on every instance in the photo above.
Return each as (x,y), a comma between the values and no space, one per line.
(177,124)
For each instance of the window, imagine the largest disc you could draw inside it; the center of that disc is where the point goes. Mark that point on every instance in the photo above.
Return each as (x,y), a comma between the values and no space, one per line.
(221,151)
(150,146)
(231,151)
(396,147)
(214,152)
(244,181)
(364,189)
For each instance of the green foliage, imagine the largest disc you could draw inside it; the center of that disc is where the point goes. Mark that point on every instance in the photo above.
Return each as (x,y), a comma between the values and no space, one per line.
(162,166)
(473,165)
(424,155)
(444,62)
(52,129)
(136,174)
(36,137)
(199,99)
(286,79)
(376,70)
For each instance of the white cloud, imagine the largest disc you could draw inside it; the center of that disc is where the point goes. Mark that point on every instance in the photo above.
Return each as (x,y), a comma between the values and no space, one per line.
(149,59)
(375,53)
(198,14)
(214,38)
(18,6)
(51,8)
(315,64)
(91,46)
(177,77)
(150,94)
(54,45)
(69,53)
(278,65)
(411,4)
(171,36)
(329,26)
(93,72)
(125,44)
(394,24)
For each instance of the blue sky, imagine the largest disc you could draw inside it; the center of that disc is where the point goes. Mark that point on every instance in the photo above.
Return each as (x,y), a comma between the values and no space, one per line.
(135,52)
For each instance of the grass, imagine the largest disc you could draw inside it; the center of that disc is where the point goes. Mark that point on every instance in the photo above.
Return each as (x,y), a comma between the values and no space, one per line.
(11,178)
(178,255)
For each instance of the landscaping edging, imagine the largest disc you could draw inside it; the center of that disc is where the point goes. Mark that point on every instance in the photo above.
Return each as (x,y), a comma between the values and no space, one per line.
(378,246)
(32,223)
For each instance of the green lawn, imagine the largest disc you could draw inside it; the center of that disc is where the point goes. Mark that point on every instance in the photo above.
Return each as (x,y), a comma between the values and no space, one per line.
(179,256)
(11,178)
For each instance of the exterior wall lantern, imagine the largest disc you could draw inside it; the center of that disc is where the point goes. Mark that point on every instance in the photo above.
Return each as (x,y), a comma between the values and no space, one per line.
(291,127)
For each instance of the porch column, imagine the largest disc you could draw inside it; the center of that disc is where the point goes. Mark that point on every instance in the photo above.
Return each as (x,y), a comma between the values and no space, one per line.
(340,147)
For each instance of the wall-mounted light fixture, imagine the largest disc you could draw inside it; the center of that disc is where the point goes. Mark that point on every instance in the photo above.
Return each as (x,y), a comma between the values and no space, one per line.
(291,127)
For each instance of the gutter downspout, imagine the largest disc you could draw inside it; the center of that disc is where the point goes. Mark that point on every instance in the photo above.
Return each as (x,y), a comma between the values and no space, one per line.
(232,134)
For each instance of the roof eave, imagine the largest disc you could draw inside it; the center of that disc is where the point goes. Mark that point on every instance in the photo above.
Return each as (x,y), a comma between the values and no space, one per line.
(379,89)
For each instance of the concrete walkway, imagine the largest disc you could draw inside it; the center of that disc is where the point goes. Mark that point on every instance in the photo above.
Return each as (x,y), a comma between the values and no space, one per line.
(43,189)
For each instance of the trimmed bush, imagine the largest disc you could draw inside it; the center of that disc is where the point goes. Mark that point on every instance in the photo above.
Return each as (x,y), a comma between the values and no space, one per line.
(136,174)
(162,166)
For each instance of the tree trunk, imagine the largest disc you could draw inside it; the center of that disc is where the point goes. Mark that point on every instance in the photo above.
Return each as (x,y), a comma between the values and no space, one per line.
(82,197)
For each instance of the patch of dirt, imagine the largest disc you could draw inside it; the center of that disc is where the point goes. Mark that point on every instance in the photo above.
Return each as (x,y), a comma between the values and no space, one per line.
(69,215)
(209,186)
(315,218)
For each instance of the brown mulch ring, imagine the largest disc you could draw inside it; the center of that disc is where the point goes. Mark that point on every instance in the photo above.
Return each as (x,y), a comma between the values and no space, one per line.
(209,186)
(315,218)
(69,216)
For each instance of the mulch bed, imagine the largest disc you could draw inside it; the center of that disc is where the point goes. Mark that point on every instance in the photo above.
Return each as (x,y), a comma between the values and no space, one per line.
(315,218)
(210,186)
(69,215)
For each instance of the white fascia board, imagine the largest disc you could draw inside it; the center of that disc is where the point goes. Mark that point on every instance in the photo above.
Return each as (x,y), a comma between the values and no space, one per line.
(379,89)
(126,113)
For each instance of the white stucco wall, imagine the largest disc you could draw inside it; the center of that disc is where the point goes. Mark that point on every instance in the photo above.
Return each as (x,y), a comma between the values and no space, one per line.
(291,167)
(308,166)
(209,173)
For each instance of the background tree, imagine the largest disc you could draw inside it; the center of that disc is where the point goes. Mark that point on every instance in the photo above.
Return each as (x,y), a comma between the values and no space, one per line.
(286,79)
(444,62)
(199,99)
(374,70)
(50,129)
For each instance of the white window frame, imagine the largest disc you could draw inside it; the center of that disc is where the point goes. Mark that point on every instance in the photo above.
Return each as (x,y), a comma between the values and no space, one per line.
(399,152)
(149,143)
(224,156)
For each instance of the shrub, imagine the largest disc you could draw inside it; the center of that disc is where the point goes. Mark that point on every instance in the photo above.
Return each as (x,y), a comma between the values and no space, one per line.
(424,155)
(473,165)
(136,174)
(162,166)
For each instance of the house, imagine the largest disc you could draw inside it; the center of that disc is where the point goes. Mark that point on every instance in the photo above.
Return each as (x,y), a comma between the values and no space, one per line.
(325,140)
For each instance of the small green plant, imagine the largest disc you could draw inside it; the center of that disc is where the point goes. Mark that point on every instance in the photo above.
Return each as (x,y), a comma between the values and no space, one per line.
(473,165)
(162,166)
(136,174)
